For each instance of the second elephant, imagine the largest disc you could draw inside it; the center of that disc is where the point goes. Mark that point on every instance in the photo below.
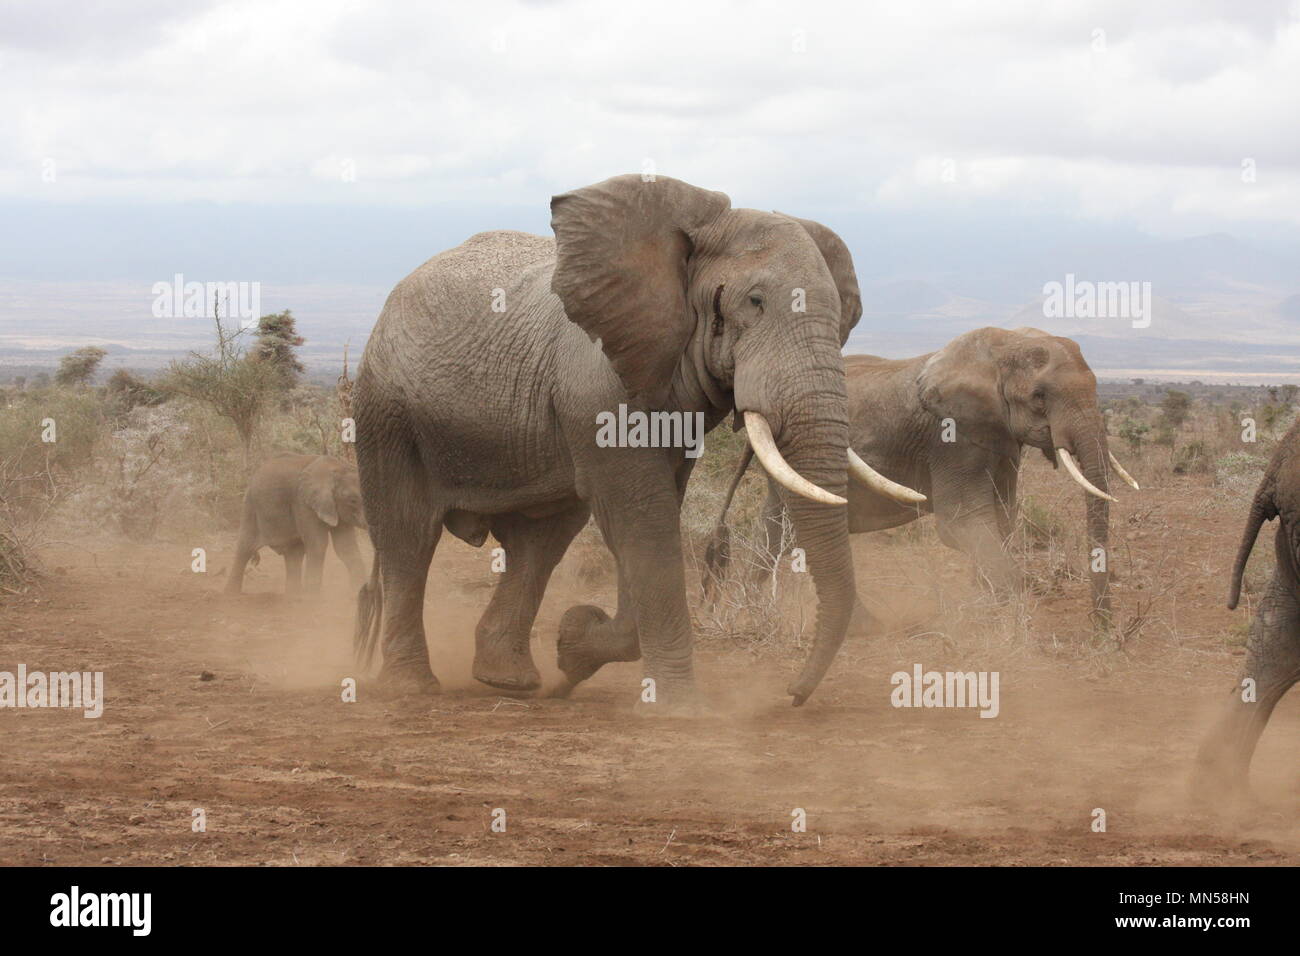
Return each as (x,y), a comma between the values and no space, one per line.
(953,424)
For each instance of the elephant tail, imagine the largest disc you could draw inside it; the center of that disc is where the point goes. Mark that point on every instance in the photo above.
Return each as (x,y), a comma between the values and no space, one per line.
(717,556)
(370,615)
(1262,508)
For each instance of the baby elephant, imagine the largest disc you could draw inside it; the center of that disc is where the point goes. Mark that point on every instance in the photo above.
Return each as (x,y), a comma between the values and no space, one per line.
(294,505)
(1273,647)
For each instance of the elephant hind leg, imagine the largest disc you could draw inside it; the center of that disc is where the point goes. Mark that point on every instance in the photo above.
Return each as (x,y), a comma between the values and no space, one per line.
(403,565)
(405,523)
(533,547)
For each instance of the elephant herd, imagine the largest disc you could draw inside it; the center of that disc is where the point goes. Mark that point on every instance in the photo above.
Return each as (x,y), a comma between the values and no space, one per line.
(480,388)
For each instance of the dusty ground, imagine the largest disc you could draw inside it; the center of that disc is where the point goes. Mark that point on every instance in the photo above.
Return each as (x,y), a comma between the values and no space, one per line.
(289,774)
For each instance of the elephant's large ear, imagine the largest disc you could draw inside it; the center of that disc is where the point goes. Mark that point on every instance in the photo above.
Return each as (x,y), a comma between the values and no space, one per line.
(316,486)
(840,261)
(967,378)
(622,249)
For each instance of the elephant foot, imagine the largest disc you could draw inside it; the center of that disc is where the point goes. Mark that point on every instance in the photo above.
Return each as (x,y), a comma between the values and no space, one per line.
(399,679)
(589,639)
(506,671)
(1229,800)
(562,690)
(676,701)
(573,651)
(1219,781)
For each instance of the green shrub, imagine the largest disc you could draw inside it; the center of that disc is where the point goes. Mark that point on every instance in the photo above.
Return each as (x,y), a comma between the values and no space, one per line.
(74,419)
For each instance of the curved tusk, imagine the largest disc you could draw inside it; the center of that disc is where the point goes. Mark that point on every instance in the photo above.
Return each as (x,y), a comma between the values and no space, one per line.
(1066,459)
(1119,470)
(764,445)
(874,480)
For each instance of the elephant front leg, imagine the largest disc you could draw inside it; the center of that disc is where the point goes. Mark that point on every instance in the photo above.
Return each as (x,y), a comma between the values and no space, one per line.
(315,542)
(642,529)
(972,510)
(244,553)
(1272,668)
(245,550)
(775,522)
(589,639)
(978,537)
(313,567)
(863,623)
(532,549)
(293,557)
(345,546)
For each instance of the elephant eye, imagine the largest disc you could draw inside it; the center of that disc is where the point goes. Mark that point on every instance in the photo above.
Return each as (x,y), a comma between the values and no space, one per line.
(756,300)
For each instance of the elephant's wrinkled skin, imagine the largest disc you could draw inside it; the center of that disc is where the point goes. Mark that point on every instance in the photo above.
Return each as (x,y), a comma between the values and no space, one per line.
(295,505)
(1273,647)
(992,391)
(477,400)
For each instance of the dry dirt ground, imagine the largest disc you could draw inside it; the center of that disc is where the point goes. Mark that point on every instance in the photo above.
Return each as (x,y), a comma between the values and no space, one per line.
(287,773)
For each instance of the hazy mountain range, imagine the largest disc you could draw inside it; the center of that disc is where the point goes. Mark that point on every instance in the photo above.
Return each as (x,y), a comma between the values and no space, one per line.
(1223,309)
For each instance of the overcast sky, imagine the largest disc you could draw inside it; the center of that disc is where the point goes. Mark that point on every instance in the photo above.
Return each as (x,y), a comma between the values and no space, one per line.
(1136,116)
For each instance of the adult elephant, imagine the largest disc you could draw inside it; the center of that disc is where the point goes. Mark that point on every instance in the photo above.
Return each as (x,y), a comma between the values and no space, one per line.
(953,424)
(480,396)
(1273,647)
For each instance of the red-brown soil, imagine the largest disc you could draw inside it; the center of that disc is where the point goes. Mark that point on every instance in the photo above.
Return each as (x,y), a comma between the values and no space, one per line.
(289,774)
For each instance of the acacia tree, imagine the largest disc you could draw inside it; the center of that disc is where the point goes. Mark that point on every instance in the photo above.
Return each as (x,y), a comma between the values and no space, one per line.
(79,367)
(277,338)
(1175,408)
(236,387)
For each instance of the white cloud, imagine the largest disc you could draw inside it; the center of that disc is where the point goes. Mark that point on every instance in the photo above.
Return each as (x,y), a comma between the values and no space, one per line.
(779,103)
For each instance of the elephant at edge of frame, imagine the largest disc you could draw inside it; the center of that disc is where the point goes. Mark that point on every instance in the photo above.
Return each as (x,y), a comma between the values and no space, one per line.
(1273,645)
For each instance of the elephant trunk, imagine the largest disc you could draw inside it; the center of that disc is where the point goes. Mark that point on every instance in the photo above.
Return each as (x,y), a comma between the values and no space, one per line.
(813,438)
(1079,431)
(1262,509)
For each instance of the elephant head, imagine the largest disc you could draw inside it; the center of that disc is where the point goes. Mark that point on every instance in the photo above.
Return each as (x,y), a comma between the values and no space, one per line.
(695,302)
(1005,389)
(332,490)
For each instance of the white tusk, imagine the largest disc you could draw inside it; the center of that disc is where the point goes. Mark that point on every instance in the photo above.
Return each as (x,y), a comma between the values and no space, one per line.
(1119,470)
(874,480)
(1066,459)
(778,469)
